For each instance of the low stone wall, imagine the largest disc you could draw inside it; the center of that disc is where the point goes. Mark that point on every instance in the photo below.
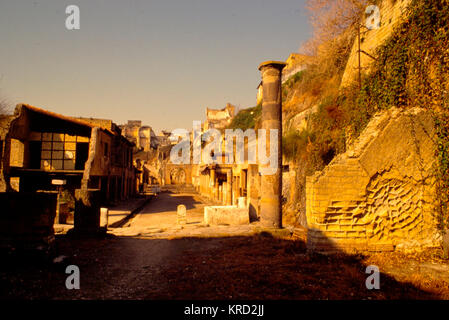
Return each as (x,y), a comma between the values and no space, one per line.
(27,219)
(380,194)
(227,215)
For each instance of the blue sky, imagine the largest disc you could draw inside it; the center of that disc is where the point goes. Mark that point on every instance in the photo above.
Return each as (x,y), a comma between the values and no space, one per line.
(162,62)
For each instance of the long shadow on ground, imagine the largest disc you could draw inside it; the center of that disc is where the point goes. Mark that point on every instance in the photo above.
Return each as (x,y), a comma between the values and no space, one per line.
(170,203)
(256,267)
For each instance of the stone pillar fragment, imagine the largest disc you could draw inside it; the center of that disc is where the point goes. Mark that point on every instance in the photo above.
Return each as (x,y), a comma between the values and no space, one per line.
(253,192)
(229,188)
(217,189)
(212,177)
(87,210)
(224,189)
(271,184)
(104,216)
(181,210)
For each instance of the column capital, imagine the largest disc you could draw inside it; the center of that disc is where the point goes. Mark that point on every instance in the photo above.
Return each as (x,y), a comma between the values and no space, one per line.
(274,64)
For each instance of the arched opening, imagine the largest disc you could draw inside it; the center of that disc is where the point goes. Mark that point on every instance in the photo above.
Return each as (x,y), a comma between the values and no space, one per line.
(178,176)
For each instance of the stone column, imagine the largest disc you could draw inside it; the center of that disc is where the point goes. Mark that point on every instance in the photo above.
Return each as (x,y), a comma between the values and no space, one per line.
(212,184)
(217,189)
(229,188)
(203,184)
(237,187)
(212,177)
(87,210)
(223,198)
(253,191)
(271,185)
(209,189)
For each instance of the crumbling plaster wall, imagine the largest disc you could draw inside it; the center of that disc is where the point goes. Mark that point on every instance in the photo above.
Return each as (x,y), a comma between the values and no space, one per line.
(101,161)
(380,194)
(14,130)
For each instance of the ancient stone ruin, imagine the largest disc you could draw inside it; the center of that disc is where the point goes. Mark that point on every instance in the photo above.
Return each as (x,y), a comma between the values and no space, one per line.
(380,194)
(181,210)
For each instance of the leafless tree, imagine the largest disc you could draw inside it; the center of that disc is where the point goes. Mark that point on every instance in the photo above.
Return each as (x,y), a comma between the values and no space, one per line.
(332,20)
(334,25)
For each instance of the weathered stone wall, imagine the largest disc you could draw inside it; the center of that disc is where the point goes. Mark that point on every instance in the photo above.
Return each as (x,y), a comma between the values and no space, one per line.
(5,152)
(379,194)
(392,12)
(227,215)
(295,63)
(219,118)
(142,136)
(27,219)
(253,191)
(178,173)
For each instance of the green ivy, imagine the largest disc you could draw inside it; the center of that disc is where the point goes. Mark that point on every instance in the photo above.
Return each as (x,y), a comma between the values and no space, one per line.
(412,69)
(246,118)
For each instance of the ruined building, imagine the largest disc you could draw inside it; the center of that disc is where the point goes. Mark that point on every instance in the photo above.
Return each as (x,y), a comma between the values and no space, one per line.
(239,183)
(167,173)
(142,136)
(40,146)
(146,144)
(226,183)
(219,119)
(381,193)
(295,63)
(43,152)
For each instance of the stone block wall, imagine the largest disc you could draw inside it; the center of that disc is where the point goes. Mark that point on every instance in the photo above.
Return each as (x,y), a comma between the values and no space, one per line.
(380,194)
(226,215)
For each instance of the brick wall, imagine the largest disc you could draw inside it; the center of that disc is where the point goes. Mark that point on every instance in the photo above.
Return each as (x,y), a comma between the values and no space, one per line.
(380,194)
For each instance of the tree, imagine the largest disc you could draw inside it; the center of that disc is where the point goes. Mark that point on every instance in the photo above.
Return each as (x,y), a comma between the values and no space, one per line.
(330,19)
(334,25)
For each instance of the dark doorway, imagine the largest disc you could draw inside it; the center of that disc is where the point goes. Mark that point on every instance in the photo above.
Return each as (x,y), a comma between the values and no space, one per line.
(82,153)
(35,154)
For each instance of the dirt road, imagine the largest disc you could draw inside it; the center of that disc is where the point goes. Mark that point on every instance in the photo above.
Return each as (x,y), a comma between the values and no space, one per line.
(246,265)
(162,210)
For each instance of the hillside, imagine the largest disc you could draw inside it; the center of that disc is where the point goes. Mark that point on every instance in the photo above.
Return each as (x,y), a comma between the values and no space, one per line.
(325,110)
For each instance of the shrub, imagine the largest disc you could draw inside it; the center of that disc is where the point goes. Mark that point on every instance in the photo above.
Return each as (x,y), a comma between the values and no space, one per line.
(247,118)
